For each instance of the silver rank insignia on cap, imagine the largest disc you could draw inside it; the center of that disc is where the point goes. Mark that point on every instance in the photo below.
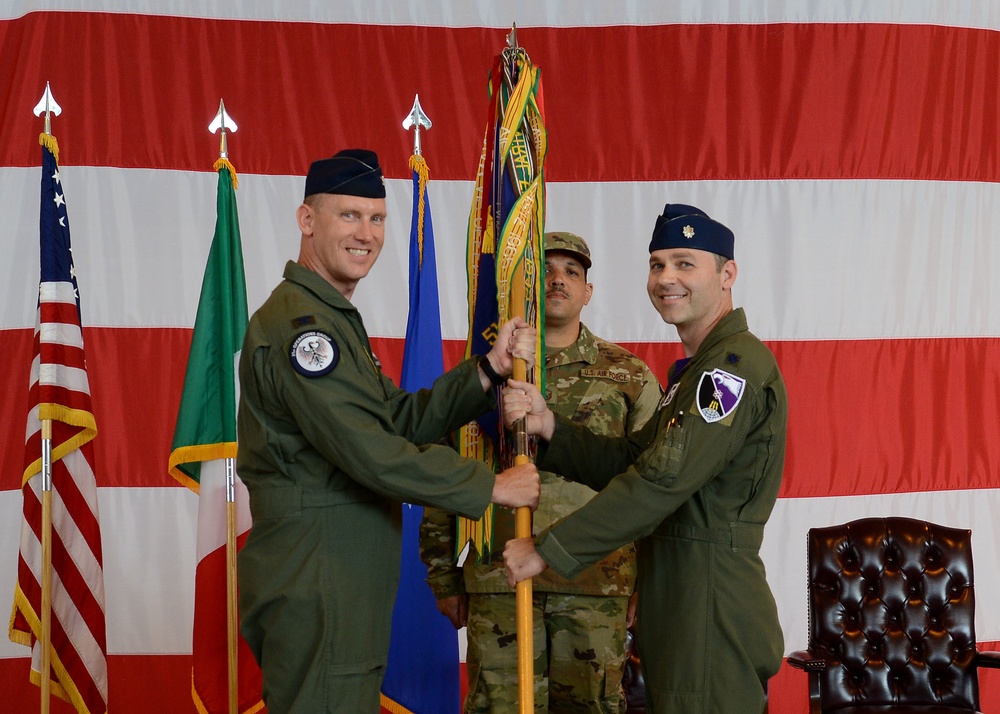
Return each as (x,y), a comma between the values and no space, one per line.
(314,353)
(688,232)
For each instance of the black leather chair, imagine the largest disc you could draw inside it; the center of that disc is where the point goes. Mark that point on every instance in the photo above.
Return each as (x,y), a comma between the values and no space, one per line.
(892,619)
(633,682)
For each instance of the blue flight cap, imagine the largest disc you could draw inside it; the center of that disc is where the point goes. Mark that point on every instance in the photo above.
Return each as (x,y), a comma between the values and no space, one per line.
(353,172)
(683,226)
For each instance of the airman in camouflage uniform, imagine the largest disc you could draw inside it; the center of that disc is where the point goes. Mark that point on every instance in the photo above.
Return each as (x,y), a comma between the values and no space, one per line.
(579,624)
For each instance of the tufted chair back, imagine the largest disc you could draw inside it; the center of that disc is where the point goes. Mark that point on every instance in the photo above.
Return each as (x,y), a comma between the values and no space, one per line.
(891,616)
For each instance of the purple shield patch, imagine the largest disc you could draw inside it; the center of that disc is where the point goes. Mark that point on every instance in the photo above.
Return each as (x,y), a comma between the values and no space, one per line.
(719,393)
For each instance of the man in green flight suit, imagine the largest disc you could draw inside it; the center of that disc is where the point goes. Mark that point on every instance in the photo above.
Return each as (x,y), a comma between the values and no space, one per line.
(329,446)
(579,624)
(693,490)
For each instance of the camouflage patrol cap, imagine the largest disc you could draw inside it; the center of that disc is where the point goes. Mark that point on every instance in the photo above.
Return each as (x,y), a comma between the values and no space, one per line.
(569,243)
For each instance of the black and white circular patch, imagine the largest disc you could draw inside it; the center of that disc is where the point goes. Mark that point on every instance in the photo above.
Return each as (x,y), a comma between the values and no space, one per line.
(314,354)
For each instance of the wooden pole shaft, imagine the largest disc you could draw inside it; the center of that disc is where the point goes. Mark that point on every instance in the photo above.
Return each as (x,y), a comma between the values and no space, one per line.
(46,613)
(522,529)
(231,607)
(525,623)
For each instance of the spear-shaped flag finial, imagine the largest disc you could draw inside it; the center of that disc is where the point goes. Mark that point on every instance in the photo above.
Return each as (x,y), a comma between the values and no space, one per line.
(418,120)
(224,122)
(513,52)
(512,38)
(48,105)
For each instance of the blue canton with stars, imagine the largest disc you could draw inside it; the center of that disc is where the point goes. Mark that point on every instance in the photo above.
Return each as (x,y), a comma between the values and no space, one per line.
(56,252)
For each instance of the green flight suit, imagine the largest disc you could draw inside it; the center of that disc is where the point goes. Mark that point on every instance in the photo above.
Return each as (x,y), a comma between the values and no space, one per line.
(327,457)
(609,390)
(694,493)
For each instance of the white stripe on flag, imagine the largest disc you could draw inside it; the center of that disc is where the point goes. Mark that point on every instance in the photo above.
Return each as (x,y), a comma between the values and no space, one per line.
(784,548)
(60,333)
(212,508)
(551,13)
(59,375)
(57,291)
(801,243)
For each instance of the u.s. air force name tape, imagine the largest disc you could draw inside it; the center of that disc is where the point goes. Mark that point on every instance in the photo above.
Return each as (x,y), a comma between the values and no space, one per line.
(314,353)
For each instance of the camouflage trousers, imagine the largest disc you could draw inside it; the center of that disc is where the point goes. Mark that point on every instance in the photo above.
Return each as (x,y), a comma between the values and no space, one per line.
(579,643)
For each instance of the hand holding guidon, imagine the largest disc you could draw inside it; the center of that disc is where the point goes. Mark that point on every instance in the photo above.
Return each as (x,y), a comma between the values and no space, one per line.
(523,400)
(519,485)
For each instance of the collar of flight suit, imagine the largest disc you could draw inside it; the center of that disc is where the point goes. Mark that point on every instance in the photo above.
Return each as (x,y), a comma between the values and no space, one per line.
(733,323)
(315,284)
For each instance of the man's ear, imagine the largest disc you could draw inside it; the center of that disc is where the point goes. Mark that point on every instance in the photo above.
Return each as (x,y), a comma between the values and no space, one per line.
(729,272)
(304,217)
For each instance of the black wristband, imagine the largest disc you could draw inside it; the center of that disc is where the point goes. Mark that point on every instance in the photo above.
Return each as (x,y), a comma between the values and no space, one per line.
(491,374)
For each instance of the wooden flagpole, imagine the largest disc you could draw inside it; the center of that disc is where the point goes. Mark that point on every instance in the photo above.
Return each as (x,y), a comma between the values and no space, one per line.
(232,625)
(46,613)
(48,106)
(519,291)
(522,529)
(223,123)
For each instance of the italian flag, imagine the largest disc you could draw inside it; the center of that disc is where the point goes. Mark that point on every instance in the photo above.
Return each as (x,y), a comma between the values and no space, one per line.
(203,457)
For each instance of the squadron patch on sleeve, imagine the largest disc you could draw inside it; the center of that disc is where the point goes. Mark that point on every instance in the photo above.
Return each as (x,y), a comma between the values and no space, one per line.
(314,353)
(719,393)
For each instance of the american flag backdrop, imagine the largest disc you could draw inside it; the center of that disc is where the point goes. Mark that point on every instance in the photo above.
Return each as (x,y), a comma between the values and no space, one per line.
(854,148)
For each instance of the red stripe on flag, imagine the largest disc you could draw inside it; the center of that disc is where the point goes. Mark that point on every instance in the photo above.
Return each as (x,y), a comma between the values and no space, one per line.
(723,82)
(65,355)
(65,313)
(842,394)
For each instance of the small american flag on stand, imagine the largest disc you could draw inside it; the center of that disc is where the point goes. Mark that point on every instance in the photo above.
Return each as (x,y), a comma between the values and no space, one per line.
(59,391)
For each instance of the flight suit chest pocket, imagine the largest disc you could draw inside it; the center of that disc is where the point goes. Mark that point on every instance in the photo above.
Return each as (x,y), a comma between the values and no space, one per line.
(662,461)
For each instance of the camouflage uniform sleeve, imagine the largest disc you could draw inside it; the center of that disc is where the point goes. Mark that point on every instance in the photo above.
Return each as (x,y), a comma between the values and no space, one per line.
(646,402)
(437,551)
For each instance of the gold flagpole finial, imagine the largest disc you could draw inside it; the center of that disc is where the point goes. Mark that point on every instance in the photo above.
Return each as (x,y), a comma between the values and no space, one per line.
(418,120)
(48,105)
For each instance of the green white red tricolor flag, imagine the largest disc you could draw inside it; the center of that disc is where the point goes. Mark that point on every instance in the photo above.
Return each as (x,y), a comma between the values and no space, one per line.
(204,440)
